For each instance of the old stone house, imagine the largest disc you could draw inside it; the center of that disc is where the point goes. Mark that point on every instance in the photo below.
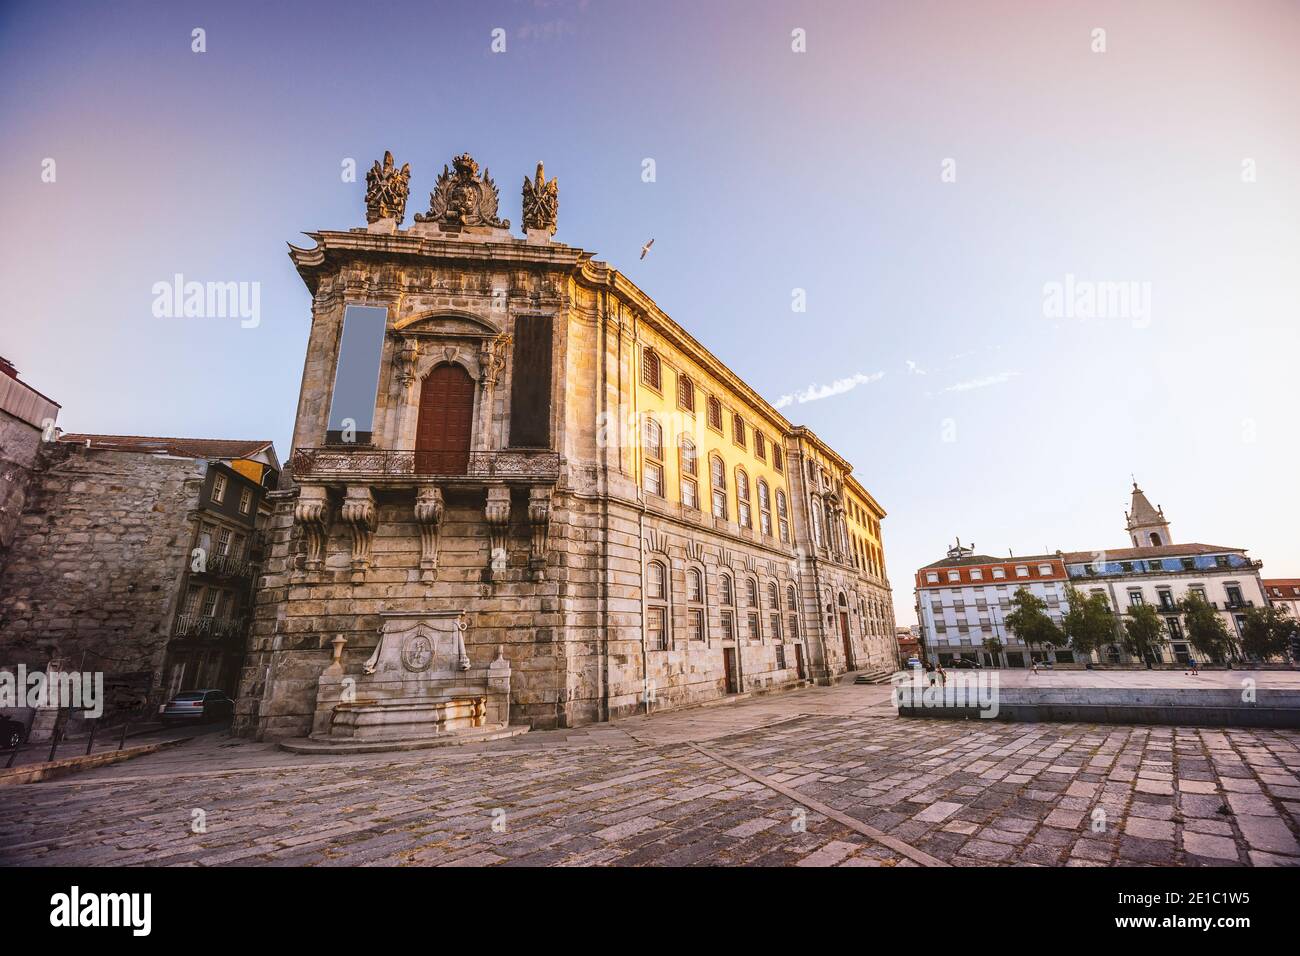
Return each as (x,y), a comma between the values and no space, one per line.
(507,428)
(135,557)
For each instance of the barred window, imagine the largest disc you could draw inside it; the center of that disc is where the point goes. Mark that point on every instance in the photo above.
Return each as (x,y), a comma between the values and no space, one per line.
(685,393)
(725,593)
(751,591)
(773,596)
(774,625)
(728,626)
(694,588)
(755,631)
(790,600)
(715,413)
(656,577)
(738,430)
(656,633)
(650,371)
(760,445)
(792,632)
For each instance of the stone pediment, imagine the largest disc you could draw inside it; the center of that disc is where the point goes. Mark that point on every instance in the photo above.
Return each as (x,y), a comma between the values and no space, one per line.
(445,325)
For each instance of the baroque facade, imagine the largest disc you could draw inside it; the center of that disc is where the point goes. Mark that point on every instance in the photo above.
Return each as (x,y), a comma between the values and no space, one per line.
(509,431)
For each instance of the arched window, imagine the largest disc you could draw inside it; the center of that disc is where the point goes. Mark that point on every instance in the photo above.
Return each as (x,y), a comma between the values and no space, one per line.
(760,445)
(751,591)
(718,481)
(777,462)
(773,596)
(650,371)
(694,586)
(754,616)
(764,508)
(818,531)
(715,413)
(653,449)
(689,467)
(656,590)
(725,593)
(1155,539)
(742,499)
(685,393)
(738,430)
(782,516)
(791,602)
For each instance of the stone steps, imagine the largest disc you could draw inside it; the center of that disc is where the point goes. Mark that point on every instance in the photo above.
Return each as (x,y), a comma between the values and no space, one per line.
(880,675)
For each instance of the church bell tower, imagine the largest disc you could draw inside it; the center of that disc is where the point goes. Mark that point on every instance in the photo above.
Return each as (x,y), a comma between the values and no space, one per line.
(1147,526)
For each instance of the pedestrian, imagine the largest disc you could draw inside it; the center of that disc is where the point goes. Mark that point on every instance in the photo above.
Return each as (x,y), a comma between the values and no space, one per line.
(930,670)
(943,676)
(1195,671)
(1035,665)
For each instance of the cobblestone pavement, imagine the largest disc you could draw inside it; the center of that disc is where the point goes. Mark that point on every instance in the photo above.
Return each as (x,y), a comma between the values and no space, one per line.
(824,776)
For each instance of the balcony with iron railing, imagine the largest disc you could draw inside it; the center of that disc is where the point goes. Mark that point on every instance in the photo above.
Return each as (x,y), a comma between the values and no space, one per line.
(230,566)
(211,628)
(369,464)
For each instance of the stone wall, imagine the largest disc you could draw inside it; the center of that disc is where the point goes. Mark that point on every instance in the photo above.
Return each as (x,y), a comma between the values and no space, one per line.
(95,565)
(20,444)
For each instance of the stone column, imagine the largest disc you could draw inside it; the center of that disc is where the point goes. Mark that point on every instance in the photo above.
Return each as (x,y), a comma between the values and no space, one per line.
(359,512)
(539,519)
(312,512)
(408,406)
(497,513)
(428,512)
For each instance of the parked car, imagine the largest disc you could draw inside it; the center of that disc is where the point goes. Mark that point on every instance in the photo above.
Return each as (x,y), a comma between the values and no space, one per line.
(964,664)
(200,705)
(11,733)
(913,662)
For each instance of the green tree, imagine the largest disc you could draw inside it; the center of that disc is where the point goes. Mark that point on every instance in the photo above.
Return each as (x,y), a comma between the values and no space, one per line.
(994,647)
(1205,628)
(1268,632)
(1030,622)
(1088,623)
(1143,632)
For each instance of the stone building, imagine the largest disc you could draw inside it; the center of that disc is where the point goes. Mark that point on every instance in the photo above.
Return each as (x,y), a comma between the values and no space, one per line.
(510,432)
(26,419)
(962,602)
(103,572)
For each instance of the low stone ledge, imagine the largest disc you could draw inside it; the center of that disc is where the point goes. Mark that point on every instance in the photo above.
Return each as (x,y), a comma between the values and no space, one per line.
(345,745)
(33,773)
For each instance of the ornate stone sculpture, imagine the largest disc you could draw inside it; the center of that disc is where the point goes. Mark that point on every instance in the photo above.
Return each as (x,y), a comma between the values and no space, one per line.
(359,512)
(497,515)
(407,355)
(462,198)
(312,512)
(539,520)
(386,190)
(428,513)
(541,202)
(492,359)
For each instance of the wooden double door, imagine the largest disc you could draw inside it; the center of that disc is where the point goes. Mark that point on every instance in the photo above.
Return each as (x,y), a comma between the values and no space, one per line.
(446,424)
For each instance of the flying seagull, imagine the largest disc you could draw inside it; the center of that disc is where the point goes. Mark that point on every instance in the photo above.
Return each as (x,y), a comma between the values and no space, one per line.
(646,248)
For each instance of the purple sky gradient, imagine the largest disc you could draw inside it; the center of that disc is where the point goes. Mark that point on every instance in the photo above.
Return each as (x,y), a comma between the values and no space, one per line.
(776,171)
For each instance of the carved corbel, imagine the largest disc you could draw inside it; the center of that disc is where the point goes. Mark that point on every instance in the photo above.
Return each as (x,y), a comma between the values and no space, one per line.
(408,353)
(497,514)
(312,514)
(359,512)
(428,513)
(492,359)
(539,520)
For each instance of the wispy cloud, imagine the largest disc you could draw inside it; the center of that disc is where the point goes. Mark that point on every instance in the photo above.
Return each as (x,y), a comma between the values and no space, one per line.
(913,368)
(815,393)
(985,382)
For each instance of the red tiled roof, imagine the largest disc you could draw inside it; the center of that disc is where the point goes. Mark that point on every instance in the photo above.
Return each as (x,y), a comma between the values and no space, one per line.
(1281,582)
(182,447)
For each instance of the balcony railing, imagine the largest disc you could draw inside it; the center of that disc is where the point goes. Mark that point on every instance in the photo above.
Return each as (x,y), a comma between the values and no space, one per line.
(229,566)
(520,463)
(200,625)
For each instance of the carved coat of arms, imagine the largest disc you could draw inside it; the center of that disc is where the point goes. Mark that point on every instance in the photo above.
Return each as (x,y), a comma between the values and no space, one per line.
(462,198)
(386,190)
(541,202)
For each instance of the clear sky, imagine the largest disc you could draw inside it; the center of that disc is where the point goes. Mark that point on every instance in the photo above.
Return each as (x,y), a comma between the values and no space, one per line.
(969,403)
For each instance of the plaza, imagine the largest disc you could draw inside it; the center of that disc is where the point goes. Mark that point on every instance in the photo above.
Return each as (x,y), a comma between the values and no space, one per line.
(816,777)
